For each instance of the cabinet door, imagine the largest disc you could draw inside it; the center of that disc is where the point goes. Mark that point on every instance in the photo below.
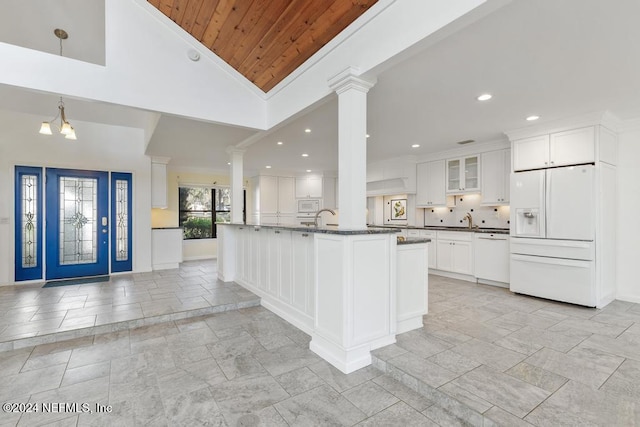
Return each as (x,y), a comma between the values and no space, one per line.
(572,147)
(454,172)
(436,187)
(274,259)
(422,184)
(507,176)
(314,187)
(301,188)
(287,195)
(433,248)
(269,219)
(268,195)
(159,185)
(471,173)
(444,255)
(285,281)
(462,255)
(302,244)
(531,153)
(329,193)
(494,177)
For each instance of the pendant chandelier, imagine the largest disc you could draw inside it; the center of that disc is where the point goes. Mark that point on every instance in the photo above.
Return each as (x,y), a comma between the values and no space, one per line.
(65,127)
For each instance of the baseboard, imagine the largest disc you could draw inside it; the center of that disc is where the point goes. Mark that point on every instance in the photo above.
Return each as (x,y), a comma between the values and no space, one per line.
(451,275)
(199,258)
(629,298)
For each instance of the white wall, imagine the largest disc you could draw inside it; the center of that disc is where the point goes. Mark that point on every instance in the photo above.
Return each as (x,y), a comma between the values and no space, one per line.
(629,213)
(147,67)
(98,147)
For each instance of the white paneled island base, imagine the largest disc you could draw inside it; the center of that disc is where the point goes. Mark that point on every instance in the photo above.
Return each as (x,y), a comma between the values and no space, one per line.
(338,286)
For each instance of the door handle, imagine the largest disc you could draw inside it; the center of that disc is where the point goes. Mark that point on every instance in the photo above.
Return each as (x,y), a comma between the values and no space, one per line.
(104,230)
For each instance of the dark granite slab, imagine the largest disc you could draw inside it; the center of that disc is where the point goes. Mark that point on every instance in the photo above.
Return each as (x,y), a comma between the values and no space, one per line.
(323,230)
(413,240)
(438,228)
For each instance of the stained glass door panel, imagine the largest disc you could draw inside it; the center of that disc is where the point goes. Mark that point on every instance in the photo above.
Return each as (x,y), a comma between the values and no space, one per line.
(77,228)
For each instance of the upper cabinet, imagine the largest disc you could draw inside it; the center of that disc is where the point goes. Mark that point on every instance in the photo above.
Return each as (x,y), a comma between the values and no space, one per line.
(572,147)
(309,187)
(274,200)
(430,187)
(463,175)
(159,194)
(496,167)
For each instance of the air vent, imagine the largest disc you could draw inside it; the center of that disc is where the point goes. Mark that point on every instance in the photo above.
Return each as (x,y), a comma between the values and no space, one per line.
(466,141)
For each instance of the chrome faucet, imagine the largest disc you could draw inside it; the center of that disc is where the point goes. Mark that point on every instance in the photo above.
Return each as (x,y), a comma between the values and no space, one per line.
(315,219)
(469,218)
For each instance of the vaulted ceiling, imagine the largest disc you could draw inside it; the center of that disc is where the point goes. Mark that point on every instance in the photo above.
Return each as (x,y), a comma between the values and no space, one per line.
(264,40)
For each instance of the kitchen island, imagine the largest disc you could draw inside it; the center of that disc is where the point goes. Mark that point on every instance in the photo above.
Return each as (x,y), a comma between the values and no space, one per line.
(339,286)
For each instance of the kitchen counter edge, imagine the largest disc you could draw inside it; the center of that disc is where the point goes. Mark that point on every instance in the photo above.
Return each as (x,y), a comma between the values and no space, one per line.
(322,230)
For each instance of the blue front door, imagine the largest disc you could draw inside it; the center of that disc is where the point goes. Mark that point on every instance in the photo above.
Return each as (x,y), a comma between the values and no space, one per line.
(77,223)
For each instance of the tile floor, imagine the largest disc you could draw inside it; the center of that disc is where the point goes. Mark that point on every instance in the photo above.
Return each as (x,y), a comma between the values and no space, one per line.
(484,357)
(31,315)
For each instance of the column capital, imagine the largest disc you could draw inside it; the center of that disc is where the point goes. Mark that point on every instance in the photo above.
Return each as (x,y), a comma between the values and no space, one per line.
(235,150)
(349,79)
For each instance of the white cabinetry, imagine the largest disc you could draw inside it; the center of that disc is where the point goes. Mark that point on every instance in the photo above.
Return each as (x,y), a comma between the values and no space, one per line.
(496,168)
(433,260)
(166,248)
(492,258)
(329,193)
(303,289)
(309,187)
(275,200)
(430,184)
(572,147)
(463,175)
(455,252)
(159,182)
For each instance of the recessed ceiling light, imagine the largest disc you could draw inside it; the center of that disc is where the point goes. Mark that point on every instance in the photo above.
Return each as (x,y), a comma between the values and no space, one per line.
(532,118)
(368,135)
(308,170)
(268,167)
(228,163)
(305,155)
(415,146)
(279,142)
(307,130)
(484,97)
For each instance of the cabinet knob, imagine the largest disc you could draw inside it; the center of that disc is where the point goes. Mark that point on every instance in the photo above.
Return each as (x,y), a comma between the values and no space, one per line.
(546,163)
(240,228)
(304,234)
(276,232)
(552,162)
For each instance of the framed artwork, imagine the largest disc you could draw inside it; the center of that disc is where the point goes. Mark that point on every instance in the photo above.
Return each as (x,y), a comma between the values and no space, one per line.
(399,209)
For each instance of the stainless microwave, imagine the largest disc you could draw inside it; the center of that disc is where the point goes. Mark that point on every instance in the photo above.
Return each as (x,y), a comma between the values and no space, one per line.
(308,205)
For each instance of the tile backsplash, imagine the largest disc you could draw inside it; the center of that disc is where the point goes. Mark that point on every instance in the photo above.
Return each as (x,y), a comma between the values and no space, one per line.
(483,216)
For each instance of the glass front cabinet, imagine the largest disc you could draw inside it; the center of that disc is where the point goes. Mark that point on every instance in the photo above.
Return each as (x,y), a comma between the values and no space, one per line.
(463,175)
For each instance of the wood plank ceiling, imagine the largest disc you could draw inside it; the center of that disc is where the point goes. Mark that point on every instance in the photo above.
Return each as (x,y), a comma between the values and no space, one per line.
(264,40)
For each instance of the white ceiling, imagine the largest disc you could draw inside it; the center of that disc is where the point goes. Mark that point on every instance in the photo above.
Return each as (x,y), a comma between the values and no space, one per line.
(552,58)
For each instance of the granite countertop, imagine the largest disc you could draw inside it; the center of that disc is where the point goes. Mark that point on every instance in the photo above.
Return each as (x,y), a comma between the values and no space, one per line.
(443,228)
(323,230)
(413,240)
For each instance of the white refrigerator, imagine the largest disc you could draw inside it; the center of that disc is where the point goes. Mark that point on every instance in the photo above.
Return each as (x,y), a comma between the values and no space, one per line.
(552,234)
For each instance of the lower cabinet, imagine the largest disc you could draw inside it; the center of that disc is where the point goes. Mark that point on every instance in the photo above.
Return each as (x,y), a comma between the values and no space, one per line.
(455,252)
(432,261)
(279,263)
(302,280)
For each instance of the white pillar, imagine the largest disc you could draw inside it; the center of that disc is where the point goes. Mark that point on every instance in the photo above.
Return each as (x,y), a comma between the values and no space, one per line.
(236,174)
(352,148)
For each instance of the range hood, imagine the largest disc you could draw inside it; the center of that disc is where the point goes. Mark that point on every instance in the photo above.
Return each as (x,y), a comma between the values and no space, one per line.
(388,187)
